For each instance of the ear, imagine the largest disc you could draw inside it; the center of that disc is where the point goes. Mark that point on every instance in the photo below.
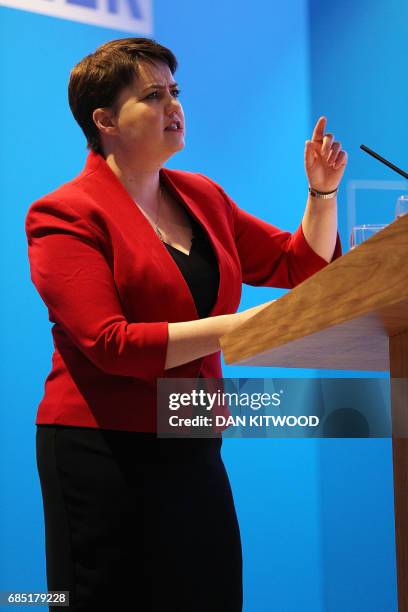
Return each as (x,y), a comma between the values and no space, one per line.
(104,120)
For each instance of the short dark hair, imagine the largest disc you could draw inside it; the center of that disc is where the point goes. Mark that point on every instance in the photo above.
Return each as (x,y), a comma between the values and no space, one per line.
(98,78)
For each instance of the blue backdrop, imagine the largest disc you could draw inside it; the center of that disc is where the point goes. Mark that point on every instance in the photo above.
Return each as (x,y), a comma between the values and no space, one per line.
(316,516)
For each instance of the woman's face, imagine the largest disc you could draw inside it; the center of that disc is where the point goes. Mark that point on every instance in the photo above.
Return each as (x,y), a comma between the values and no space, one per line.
(148,117)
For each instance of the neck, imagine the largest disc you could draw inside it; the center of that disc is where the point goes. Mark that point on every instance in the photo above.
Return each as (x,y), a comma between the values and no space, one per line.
(140,181)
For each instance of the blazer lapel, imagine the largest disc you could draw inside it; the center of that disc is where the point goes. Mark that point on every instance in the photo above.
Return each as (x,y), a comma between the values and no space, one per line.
(195,209)
(115,199)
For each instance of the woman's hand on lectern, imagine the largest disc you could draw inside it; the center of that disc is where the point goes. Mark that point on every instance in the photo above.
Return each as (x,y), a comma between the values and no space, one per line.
(244,315)
(325,161)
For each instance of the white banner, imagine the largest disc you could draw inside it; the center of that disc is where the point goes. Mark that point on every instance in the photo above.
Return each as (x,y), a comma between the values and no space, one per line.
(133,16)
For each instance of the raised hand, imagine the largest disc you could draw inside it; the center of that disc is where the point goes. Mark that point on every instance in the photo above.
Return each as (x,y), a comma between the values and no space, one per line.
(325,161)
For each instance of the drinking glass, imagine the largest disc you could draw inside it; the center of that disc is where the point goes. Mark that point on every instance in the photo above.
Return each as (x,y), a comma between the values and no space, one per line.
(360,233)
(402,206)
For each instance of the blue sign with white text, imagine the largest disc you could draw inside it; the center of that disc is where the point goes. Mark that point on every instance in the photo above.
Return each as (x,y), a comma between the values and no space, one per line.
(127,15)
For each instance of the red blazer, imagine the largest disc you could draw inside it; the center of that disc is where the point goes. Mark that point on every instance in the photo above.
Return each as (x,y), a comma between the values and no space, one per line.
(111,287)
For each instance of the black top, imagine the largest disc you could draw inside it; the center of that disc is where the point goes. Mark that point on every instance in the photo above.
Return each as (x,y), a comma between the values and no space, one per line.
(200,269)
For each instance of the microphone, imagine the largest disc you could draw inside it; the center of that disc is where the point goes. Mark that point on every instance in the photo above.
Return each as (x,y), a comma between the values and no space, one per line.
(384,161)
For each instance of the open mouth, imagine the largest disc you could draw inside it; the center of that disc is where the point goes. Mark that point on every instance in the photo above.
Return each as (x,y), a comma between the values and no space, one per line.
(175,126)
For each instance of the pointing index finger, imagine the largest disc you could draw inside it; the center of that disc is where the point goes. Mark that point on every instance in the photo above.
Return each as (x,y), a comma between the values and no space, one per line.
(318,131)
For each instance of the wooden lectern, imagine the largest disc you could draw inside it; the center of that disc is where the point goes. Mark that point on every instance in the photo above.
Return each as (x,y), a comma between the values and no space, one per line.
(352,315)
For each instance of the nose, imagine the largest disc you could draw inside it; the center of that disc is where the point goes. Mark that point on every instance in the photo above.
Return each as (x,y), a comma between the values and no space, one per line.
(173,108)
(173,104)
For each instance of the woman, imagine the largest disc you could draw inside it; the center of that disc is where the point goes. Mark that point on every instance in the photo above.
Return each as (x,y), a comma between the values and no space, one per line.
(141,269)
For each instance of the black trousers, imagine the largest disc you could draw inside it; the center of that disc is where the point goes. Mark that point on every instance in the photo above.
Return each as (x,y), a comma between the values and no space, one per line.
(138,523)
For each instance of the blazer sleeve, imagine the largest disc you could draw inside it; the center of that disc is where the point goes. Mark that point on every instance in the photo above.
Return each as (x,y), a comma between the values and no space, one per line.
(270,256)
(74,280)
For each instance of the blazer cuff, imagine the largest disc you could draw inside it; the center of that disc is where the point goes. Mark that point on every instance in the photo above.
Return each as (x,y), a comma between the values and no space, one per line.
(151,351)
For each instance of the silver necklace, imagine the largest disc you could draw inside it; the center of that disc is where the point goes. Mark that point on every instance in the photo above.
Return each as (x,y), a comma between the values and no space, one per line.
(156,227)
(155,223)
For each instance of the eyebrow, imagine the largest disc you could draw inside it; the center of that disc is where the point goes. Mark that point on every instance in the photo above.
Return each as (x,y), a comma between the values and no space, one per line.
(159,86)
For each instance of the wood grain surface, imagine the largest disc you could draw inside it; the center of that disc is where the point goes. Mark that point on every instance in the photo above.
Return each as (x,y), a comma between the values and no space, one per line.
(339,318)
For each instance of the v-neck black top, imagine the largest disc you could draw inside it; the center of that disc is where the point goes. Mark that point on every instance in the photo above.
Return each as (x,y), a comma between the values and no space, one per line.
(200,269)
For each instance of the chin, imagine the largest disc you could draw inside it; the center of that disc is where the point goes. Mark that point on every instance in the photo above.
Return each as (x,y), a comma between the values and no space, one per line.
(180,147)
